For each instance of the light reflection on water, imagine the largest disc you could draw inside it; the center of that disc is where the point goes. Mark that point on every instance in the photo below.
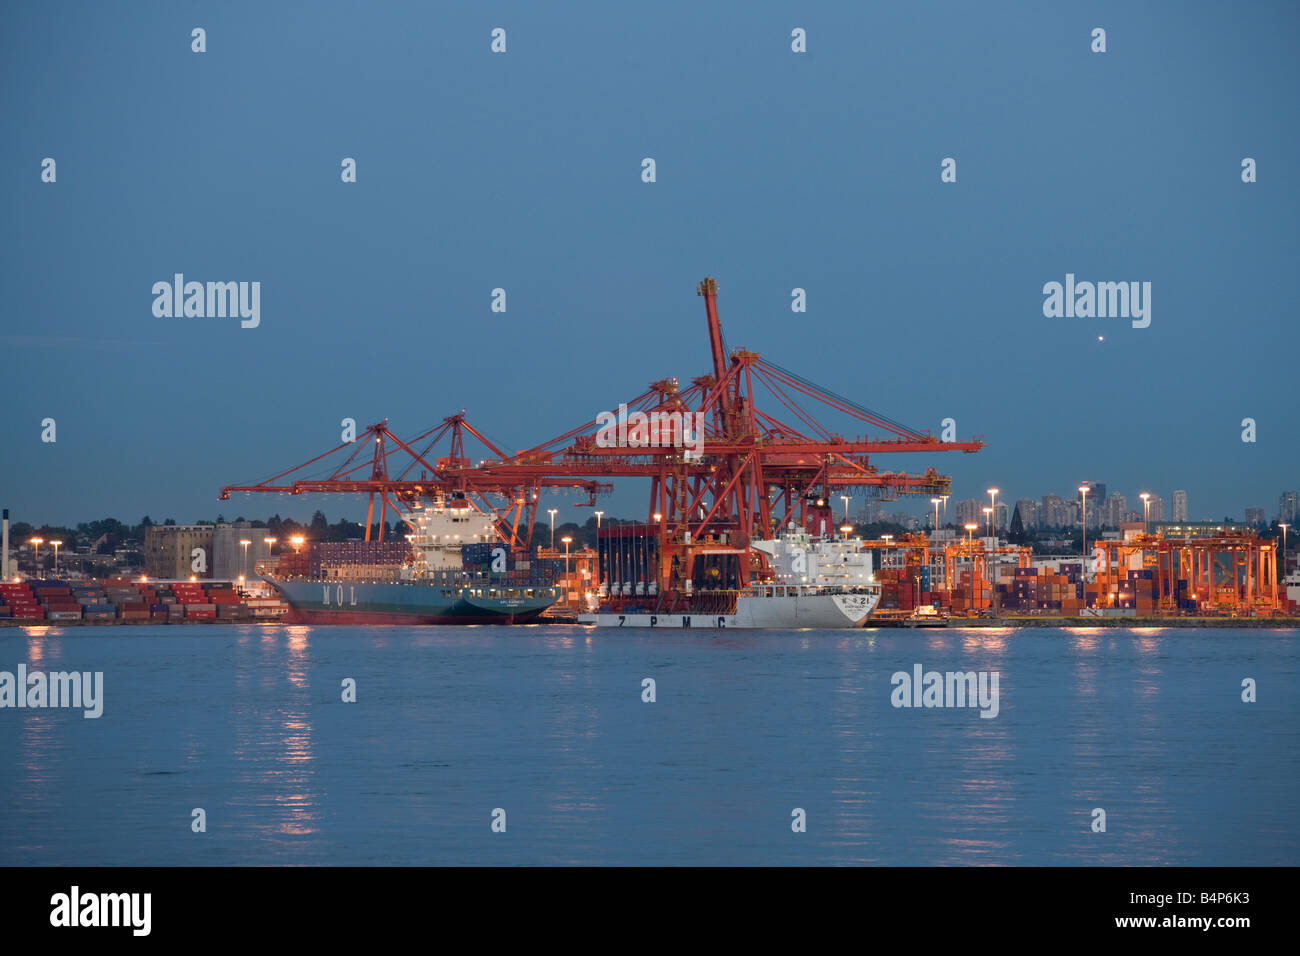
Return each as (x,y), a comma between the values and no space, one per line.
(549,723)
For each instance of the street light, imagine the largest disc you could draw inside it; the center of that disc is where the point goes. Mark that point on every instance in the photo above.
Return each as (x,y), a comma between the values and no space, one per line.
(598,567)
(1283,569)
(56,556)
(993,500)
(1083,490)
(1146,512)
(36,557)
(567,541)
(551,512)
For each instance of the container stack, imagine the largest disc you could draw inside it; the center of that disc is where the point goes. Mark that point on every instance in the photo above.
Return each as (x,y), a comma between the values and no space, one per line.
(56,597)
(19,603)
(194,599)
(521,567)
(226,600)
(352,560)
(970,594)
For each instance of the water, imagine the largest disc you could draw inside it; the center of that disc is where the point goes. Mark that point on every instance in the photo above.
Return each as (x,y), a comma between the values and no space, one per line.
(548,724)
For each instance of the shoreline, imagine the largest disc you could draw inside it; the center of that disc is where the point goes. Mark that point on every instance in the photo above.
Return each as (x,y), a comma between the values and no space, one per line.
(1275,623)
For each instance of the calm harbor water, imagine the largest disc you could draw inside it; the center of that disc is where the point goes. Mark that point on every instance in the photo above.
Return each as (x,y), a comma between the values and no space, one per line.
(548,724)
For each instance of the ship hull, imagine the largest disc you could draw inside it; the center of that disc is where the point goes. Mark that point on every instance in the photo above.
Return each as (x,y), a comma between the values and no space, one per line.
(821,611)
(321,602)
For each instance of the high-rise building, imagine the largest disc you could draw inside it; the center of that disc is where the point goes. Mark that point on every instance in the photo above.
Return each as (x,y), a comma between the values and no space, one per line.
(1052,513)
(1156,506)
(1028,509)
(1180,505)
(1001,516)
(1255,517)
(1288,506)
(968,512)
(1111,511)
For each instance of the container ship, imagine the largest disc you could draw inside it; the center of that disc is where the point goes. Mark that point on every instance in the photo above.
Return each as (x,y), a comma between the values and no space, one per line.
(815,582)
(452,569)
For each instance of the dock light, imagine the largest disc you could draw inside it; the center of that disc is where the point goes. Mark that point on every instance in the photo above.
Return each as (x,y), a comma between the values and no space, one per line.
(36,557)
(845,529)
(551,512)
(988,520)
(56,556)
(1083,521)
(970,533)
(820,503)
(935,502)
(1146,512)
(144,579)
(846,499)
(193,578)
(269,543)
(1283,567)
(567,541)
(297,540)
(658,516)
(993,500)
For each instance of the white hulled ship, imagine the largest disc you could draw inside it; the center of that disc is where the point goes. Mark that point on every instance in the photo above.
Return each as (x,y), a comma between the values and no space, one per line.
(816,582)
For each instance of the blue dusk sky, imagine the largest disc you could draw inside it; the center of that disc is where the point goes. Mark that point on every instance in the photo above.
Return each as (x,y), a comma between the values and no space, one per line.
(522,170)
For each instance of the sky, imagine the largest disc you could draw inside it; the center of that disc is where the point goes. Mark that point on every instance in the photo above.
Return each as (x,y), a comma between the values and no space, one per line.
(522,170)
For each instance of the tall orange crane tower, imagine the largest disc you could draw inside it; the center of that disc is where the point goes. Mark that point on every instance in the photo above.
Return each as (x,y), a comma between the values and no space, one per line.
(750,474)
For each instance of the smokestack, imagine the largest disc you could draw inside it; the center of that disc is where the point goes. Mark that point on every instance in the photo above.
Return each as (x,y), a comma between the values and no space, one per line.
(4,549)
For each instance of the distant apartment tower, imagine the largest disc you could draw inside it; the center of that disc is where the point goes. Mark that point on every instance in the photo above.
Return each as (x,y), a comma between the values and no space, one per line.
(1157,508)
(1052,512)
(1180,506)
(1028,509)
(1288,506)
(1111,511)
(1002,516)
(968,512)
(1255,517)
(173,551)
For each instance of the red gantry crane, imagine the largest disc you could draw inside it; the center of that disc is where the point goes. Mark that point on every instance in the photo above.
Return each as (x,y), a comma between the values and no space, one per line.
(745,474)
